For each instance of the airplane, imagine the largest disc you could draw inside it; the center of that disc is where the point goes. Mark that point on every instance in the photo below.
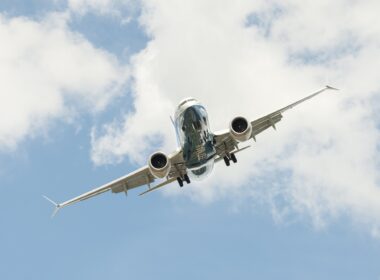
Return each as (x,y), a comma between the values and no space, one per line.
(199,149)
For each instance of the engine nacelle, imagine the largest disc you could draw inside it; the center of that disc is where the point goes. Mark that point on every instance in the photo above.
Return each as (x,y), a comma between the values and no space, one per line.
(159,165)
(241,129)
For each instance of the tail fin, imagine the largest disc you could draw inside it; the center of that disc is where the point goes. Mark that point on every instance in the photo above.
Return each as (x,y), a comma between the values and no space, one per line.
(57,206)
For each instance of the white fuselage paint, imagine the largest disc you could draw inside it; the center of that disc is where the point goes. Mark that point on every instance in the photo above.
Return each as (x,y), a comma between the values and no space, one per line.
(195,137)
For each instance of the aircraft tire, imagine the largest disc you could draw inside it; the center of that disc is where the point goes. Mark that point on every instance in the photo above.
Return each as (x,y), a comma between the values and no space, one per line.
(233,158)
(226,161)
(186,178)
(180,182)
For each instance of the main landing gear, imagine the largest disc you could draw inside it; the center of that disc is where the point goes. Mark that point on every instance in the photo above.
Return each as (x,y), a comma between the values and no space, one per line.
(181,180)
(227,159)
(233,158)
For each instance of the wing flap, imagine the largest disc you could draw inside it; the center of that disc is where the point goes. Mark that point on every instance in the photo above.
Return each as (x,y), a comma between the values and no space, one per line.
(219,158)
(159,186)
(259,126)
(133,182)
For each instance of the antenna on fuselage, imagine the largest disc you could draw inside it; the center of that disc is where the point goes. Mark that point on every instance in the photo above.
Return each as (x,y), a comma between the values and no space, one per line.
(175,130)
(171,119)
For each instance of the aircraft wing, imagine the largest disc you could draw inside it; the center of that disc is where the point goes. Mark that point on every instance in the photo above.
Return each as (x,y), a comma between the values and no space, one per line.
(132,180)
(226,144)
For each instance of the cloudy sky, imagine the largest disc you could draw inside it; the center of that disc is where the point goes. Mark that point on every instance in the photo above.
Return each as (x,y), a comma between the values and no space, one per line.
(86,91)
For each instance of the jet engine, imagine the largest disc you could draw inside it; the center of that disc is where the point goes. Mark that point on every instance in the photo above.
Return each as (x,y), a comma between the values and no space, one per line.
(159,165)
(241,129)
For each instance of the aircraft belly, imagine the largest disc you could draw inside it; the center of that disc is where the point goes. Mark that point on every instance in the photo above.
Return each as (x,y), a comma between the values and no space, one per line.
(200,153)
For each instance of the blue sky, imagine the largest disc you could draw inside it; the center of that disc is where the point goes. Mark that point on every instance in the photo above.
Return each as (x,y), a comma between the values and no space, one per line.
(186,236)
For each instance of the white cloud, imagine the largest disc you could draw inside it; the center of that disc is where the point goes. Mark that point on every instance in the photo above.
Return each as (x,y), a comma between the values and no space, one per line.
(49,72)
(103,7)
(250,58)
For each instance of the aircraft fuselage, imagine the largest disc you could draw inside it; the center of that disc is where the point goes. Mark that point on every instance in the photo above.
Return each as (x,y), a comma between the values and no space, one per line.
(195,138)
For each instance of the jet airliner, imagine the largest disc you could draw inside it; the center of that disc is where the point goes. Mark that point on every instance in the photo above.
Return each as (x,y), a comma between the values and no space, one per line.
(199,148)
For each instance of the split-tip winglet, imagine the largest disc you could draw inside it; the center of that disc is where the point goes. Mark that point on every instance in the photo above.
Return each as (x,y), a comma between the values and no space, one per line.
(330,87)
(57,205)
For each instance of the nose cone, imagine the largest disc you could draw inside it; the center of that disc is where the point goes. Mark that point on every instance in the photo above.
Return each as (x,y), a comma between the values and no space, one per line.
(203,171)
(186,101)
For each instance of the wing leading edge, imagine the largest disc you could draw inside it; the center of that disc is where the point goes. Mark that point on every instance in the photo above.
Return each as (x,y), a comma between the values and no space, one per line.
(225,143)
(135,179)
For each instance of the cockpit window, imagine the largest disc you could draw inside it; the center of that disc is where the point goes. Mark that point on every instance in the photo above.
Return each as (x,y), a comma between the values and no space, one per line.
(193,118)
(197,125)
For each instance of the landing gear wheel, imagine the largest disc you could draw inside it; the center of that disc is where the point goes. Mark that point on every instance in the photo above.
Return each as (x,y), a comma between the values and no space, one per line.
(226,160)
(186,178)
(233,158)
(180,182)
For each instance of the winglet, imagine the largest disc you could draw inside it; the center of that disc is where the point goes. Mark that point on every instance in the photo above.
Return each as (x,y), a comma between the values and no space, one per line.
(332,88)
(57,205)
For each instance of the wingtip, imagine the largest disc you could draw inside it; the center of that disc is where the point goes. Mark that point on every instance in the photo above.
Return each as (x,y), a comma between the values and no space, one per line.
(56,205)
(332,88)
(56,209)
(50,200)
